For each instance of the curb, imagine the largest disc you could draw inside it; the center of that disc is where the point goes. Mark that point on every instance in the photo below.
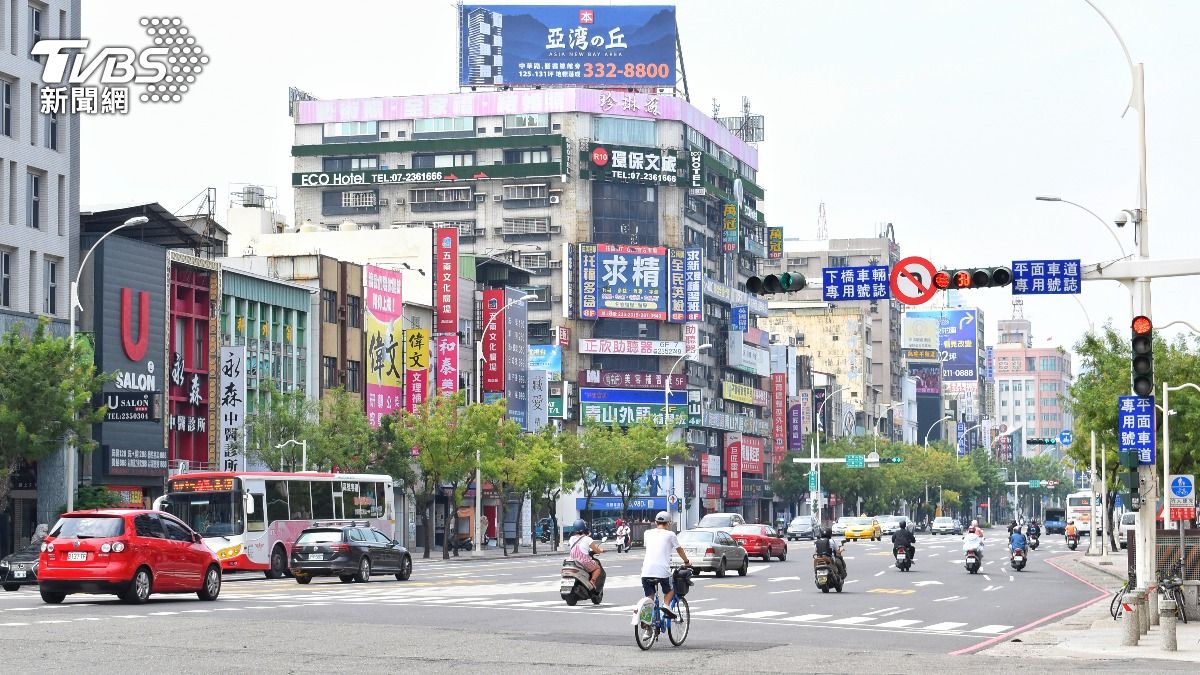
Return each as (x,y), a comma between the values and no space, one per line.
(1107,569)
(436,556)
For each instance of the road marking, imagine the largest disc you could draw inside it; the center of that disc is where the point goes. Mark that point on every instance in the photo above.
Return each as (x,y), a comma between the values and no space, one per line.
(87,618)
(203,611)
(442,601)
(934,555)
(855,581)
(228,609)
(880,611)
(945,625)
(773,579)
(129,616)
(163,613)
(544,603)
(807,617)
(992,588)
(14,624)
(950,598)
(501,601)
(987,578)
(730,585)
(898,623)
(759,615)
(757,568)
(892,591)
(880,573)
(717,612)
(1010,578)
(853,620)
(991,628)
(790,590)
(55,621)
(927,583)
(899,611)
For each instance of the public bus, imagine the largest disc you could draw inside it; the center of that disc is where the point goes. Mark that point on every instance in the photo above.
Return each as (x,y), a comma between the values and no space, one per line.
(1079,509)
(250,519)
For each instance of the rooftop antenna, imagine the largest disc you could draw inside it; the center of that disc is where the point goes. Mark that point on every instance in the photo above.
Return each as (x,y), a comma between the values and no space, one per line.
(747,126)
(716,108)
(1018,308)
(822,225)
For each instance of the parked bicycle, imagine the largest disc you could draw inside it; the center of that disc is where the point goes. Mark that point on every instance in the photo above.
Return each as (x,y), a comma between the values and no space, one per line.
(1114,608)
(1170,586)
(649,621)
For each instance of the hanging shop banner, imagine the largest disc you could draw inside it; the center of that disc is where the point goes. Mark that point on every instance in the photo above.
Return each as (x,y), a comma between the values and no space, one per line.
(539,403)
(547,358)
(691,340)
(795,422)
(416,368)
(693,284)
(774,243)
(233,407)
(445,303)
(446,363)
(733,460)
(752,454)
(732,296)
(631,380)
(807,409)
(384,339)
(625,414)
(632,347)
(636,396)
(516,356)
(779,416)
(493,341)
(730,230)
(627,164)
(574,45)
(630,282)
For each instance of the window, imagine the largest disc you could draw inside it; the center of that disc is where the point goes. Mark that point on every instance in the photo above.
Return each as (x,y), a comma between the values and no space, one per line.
(352,381)
(175,530)
(359,199)
(50,290)
(624,130)
(1029,361)
(524,196)
(277,500)
(380,538)
(539,332)
(1030,402)
(514,226)
(1048,386)
(1004,385)
(839,261)
(257,521)
(441,199)
(624,214)
(534,261)
(1016,385)
(1017,402)
(527,123)
(1048,363)
(329,372)
(50,131)
(35,29)
(300,499)
(350,163)
(1049,402)
(329,305)
(528,156)
(5,278)
(6,95)
(349,132)
(354,309)
(444,127)
(33,201)
(1003,403)
(443,160)
(322,500)
(148,526)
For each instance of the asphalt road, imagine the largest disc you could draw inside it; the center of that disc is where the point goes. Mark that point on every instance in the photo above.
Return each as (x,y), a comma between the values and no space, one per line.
(471,614)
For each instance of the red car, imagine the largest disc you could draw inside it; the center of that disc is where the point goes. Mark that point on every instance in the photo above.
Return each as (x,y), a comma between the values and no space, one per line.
(127,552)
(760,540)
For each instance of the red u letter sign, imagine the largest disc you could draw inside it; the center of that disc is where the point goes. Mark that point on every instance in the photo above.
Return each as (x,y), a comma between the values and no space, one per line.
(135,350)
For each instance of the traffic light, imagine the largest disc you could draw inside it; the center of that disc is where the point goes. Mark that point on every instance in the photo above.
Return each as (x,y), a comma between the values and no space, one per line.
(979,277)
(1041,441)
(776,283)
(1143,356)
(892,460)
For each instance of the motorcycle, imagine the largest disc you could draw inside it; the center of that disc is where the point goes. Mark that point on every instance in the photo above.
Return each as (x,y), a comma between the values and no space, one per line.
(828,574)
(623,543)
(904,559)
(576,583)
(1017,559)
(1033,542)
(1072,541)
(972,560)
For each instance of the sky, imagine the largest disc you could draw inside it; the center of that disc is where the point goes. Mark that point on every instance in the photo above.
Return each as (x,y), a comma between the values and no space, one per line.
(944,118)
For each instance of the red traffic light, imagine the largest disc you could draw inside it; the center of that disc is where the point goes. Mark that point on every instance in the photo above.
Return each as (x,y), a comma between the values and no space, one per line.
(962,279)
(941,280)
(1142,325)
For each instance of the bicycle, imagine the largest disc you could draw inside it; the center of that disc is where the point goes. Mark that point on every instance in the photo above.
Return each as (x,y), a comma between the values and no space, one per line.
(1171,586)
(1114,608)
(650,622)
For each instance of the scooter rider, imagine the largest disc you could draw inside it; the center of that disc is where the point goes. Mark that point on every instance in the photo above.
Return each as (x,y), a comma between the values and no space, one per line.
(904,537)
(586,545)
(826,548)
(622,534)
(1071,530)
(973,539)
(1017,542)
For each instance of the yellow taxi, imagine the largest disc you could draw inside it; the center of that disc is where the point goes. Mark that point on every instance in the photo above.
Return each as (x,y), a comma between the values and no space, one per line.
(864,527)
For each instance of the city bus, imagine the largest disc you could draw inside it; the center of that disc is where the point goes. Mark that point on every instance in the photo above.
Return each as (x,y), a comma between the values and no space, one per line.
(250,519)
(1079,509)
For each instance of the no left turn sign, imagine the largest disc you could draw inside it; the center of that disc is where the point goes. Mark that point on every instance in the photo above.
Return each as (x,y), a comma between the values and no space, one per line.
(912,280)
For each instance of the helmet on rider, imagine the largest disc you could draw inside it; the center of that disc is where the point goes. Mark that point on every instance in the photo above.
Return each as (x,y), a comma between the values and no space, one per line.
(662,517)
(620,522)
(903,524)
(580,527)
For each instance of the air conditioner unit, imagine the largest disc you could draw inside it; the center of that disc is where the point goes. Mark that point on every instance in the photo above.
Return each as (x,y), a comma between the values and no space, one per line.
(555,229)
(383,202)
(480,197)
(555,264)
(497,198)
(399,201)
(556,298)
(554,199)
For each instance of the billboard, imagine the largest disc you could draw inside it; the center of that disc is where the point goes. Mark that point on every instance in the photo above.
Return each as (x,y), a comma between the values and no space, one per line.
(416,368)
(631,347)
(929,378)
(779,420)
(693,284)
(631,380)
(774,243)
(733,460)
(538,400)
(919,333)
(445,302)
(233,408)
(633,164)
(547,358)
(632,282)
(958,331)
(493,341)
(518,45)
(752,454)
(384,337)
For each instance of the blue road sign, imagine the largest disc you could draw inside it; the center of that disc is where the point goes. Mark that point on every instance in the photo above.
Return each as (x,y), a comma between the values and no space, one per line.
(1182,486)
(1120,503)
(869,282)
(962,439)
(1065,437)
(1136,427)
(740,318)
(1046,277)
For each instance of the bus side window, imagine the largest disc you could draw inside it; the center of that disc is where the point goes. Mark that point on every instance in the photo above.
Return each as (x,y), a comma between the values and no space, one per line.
(298,497)
(277,501)
(322,499)
(257,521)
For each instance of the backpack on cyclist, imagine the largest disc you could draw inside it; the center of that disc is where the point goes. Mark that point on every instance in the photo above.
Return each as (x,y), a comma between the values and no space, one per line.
(681,581)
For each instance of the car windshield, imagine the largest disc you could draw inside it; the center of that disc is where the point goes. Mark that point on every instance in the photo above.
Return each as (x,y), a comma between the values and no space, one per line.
(319,537)
(716,521)
(89,527)
(862,521)
(748,529)
(1129,519)
(942,521)
(696,536)
(801,520)
(846,520)
(212,514)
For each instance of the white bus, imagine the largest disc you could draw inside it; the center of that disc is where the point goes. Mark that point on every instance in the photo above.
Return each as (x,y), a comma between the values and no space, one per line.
(1079,509)
(250,519)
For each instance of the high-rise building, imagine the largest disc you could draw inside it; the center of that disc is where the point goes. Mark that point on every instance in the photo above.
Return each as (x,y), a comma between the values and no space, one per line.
(1032,384)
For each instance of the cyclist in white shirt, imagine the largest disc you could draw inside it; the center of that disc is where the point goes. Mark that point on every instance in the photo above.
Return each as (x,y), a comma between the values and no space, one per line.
(656,566)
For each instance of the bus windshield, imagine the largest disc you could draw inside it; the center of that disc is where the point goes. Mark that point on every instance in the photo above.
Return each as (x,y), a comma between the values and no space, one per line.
(212,514)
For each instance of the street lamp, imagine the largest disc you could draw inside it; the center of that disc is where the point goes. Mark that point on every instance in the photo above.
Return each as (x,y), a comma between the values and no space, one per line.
(933,426)
(880,419)
(667,420)
(479,359)
(303,451)
(67,450)
(816,424)
(1107,225)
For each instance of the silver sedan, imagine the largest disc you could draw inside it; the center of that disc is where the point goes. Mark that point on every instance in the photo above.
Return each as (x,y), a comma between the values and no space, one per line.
(714,550)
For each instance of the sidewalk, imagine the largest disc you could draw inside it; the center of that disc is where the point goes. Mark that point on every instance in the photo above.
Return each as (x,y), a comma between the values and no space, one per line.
(1091,633)
(488,553)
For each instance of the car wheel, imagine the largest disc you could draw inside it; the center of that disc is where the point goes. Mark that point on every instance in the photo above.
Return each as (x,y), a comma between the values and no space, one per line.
(278,563)
(721,568)
(783,556)
(745,568)
(12,587)
(139,589)
(52,598)
(212,584)
(766,556)
(346,578)
(405,569)
(364,570)
(303,579)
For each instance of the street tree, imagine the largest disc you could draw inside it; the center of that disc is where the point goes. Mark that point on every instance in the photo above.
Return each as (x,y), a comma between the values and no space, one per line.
(587,461)
(393,455)
(635,450)
(505,459)
(285,416)
(47,393)
(543,480)
(790,483)
(343,433)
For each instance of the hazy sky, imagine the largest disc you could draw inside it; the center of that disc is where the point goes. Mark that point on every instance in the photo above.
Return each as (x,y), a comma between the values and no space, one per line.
(944,118)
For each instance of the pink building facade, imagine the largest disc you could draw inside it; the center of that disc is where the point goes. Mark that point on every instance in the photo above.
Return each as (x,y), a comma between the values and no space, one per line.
(1031,387)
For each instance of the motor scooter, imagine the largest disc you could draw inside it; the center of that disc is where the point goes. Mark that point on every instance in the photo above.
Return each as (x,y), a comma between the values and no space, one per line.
(1034,542)
(904,559)
(576,583)
(623,542)
(1072,541)
(827,572)
(972,560)
(1017,559)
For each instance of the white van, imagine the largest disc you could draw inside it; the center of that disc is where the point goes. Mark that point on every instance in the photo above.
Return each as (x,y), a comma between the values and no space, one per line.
(1127,528)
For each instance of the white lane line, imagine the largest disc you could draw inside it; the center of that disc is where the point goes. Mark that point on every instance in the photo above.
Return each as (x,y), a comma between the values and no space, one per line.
(934,555)
(945,625)
(987,578)
(992,588)
(130,616)
(991,628)
(163,613)
(853,620)
(807,617)
(88,618)
(855,581)
(228,609)
(790,590)
(950,598)
(898,623)
(15,623)
(717,612)
(773,579)
(260,606)
(501,601)
(757,568)
(759,615)
(55,621)
(196,611)
(880,611)
(899,611)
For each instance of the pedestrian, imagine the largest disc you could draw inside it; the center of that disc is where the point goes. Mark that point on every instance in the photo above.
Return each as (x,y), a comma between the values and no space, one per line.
(483,527)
